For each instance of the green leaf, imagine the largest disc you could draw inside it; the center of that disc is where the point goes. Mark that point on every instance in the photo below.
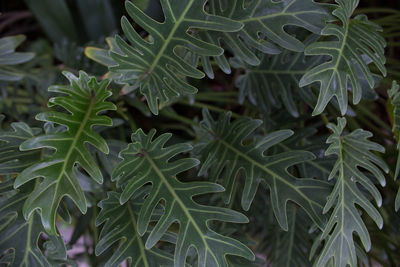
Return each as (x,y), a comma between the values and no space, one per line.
(121,225)
(275,81)
(84,99)
(394,94)
(8,58)
(12,160)
(354,151)
(289,248)
(148,161)
(154,65)
(224,156)
(266,26)
(358,44)
(19,235)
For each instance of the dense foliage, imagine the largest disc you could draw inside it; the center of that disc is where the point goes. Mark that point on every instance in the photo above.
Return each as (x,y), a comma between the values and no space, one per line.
(199,133)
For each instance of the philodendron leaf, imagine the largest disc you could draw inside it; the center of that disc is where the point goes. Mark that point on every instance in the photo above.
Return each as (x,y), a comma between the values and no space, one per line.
(224,156)
(355,153)
(358,43)
(265,25)
(84,99)
(12,160)
(394,94)
(154,65)
(19,236)
(9,58)
(121,225)
(275,82)
(148,161)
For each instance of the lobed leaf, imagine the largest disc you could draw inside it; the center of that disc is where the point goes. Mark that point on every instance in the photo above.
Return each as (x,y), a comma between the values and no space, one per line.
(84,100)
(354,152)
(121,225)
(275,82)
(265,29)
(154,65)
(358,43)
(148,161)
(224,156)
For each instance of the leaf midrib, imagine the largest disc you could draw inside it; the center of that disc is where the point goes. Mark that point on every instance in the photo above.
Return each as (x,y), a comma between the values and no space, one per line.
(292,14)
(28,241)
(273,174)
(139,240)
(170,36)
(180,202)
(73,144)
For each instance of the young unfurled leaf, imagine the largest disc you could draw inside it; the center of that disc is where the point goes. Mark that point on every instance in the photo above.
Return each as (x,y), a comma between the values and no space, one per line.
(224,156)
(358,43)
(355,154)
(84,100)
(155,66)
(148,161)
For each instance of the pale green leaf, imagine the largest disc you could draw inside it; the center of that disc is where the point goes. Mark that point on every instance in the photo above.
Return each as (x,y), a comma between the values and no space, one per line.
(356,43)
(355,154)
(147,160)
(84,99)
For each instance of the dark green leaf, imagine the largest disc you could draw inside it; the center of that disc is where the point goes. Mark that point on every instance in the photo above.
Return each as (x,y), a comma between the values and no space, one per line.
(224,156)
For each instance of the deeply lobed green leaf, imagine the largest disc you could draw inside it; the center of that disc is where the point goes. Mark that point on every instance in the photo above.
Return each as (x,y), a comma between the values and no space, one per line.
(355,154)
(266,26)
(224,156)
(148,161)
(154,65)
(84,100)
(121,225)
(358,43)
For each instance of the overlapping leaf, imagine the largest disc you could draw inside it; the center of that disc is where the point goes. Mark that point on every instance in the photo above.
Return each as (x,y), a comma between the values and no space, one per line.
(358,43)
(224,156)
(355,153)
(148,161)
(121,224)
(275,81)
(9,58)
(265,26)
(289,249)
(19,237)
(84,100)
(12,160)
(394,94)
(154,65)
